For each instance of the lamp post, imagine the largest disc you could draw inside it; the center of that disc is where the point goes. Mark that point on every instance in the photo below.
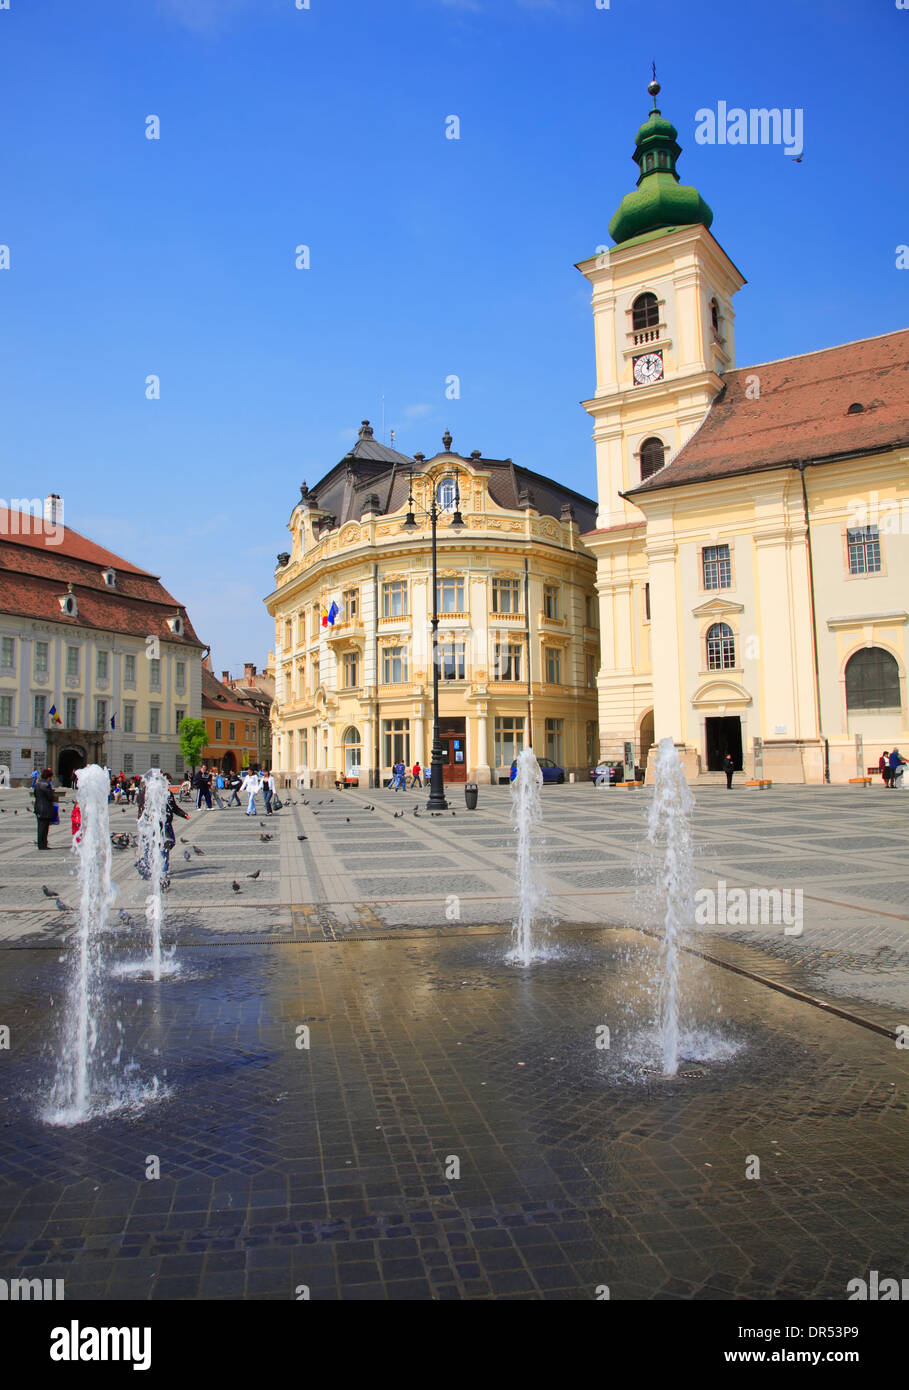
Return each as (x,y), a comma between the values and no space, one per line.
(436,800)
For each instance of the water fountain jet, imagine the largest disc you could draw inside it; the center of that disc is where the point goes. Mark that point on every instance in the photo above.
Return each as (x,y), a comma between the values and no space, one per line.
(151,858)
(530,930)
(76,1081)
(669,835)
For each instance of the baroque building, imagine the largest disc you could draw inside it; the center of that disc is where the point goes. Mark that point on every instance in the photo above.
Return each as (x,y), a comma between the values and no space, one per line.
(99,641)
(518,645)
(751,537)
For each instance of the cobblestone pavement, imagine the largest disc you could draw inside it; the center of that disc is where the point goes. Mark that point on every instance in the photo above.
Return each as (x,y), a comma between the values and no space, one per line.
(361,872)
(332,1166)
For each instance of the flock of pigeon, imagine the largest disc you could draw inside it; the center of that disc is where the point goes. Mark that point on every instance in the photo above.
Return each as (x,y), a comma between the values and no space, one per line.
(131,841)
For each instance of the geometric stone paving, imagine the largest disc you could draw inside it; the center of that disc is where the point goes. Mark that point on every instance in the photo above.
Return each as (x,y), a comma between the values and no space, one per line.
(327,1167)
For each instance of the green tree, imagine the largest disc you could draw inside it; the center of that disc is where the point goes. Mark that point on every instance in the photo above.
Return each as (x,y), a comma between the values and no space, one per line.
(193,738)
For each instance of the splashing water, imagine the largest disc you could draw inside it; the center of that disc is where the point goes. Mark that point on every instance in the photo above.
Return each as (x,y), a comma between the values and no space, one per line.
(530,931)
(71,1099)
(90,1080)
(151,858)
(669,835)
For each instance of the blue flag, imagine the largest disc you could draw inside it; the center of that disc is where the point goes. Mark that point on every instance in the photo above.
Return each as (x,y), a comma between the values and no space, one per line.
(113,721)
(333,612)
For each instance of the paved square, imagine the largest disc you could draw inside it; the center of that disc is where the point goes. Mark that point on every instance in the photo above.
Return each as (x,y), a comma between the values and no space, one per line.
(452,1130)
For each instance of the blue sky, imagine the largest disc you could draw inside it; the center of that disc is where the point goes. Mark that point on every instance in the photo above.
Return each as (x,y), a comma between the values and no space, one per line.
(429,257)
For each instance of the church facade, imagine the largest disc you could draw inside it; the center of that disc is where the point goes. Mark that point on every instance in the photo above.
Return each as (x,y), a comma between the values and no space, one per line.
(752,536)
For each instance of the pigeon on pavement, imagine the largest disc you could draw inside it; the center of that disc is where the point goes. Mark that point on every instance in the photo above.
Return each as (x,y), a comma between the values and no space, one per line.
(197,850)
(48,892)
(255,875)
(235,886)
(302,837)
(61,906)
(186,855)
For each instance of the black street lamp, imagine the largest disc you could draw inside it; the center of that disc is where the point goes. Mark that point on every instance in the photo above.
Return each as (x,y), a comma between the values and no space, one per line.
(436,800)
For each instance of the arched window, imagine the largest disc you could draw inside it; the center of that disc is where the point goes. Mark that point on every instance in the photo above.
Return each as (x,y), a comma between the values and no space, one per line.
(648,162)
(352,752)
(653,455)
(715,316)
(872,681)
(446,493)
(645,312)
(720,647)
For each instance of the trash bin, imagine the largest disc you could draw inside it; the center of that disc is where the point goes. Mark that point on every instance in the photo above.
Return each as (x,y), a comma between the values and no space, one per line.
(470,795)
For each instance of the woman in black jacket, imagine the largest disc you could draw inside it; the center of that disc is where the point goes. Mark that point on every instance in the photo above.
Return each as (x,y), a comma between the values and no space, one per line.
(45,802)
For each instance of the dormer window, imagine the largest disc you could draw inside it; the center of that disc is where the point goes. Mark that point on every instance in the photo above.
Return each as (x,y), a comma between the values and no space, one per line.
(69,606)
(110,578)
(176,625)
(445,494)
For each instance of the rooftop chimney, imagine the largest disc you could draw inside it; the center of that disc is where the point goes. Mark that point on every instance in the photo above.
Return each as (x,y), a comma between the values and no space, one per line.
(249,670)
(225,677)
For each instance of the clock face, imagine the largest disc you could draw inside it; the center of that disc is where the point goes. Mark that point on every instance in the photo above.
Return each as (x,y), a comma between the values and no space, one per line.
(648,369)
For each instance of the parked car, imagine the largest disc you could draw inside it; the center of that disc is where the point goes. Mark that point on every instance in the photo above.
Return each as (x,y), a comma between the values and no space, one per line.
(550,770)
(607,773)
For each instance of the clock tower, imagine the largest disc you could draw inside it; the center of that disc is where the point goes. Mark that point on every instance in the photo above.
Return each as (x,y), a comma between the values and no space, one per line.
(663,330)
(663,321)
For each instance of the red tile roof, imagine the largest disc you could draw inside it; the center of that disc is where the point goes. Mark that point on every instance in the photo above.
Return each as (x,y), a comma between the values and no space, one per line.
(35,573)
(218,697)
(802,412)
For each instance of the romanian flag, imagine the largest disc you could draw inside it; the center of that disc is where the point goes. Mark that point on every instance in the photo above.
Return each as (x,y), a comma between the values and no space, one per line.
(333,612)
(54,715)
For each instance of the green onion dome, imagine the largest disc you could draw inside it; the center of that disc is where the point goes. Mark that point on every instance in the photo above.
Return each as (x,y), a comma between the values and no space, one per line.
(659,200)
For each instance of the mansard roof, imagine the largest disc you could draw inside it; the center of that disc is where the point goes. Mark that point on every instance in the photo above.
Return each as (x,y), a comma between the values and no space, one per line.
(372,468)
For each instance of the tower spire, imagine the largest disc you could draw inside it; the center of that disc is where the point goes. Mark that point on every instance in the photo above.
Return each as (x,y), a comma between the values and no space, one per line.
(659,201)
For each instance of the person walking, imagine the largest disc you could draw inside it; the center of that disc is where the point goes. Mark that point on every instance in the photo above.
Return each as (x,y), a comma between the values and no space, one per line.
(171,809)
(46,812)
(399,771)
(729,769)
(235,784)
(417,774)
(250,784)
(883,767)
(268,789)
(217,786)
(897,762)
(202,784)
